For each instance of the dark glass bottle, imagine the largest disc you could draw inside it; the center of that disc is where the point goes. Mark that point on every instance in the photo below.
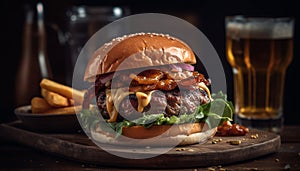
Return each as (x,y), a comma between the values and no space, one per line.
(34,64)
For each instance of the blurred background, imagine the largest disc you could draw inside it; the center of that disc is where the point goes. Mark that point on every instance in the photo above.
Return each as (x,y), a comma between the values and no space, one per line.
(207,15)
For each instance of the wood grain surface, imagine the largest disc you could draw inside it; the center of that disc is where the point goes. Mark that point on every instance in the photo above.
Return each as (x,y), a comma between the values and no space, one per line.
(79,147)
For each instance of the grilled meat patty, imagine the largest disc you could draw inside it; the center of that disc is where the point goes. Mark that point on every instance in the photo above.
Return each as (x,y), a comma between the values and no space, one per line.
(172,93)
(169,103)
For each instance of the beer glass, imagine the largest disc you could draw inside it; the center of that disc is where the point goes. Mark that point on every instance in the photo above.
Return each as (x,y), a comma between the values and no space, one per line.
(259,51)
(83,22)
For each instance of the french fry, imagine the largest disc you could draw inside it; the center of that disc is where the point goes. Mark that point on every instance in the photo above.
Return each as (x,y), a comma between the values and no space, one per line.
(39,105)
(71,102)
(55,99)
(63,90)
(63,110)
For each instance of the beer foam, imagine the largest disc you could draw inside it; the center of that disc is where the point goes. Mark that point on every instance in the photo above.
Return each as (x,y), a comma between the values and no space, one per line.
(260,29)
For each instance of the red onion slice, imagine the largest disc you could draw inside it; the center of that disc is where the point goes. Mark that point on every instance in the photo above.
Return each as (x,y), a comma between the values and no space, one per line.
(106,78)
(187,67)
(175,68)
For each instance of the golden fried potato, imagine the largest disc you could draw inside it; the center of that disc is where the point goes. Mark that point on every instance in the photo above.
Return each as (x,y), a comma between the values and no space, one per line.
(63,90)
(39,105)
(55,99)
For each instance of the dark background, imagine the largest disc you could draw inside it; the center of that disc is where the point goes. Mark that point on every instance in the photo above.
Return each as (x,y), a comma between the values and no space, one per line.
(207,15)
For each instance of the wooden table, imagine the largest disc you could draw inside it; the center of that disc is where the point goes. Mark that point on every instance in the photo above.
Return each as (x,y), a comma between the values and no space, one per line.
(16,156)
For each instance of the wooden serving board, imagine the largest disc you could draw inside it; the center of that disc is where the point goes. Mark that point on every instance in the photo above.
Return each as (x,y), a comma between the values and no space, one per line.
(79,147)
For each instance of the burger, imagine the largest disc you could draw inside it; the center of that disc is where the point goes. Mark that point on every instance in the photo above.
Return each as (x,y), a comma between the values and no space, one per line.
(145,85)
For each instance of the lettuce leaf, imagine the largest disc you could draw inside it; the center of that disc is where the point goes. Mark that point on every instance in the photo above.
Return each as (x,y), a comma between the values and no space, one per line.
(213,113)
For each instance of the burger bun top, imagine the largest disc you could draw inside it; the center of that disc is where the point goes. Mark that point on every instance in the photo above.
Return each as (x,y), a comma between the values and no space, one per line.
(137,51)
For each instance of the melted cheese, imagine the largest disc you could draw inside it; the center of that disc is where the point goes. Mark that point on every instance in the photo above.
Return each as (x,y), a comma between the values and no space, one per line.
(114,98)
(143,99)
(205,88)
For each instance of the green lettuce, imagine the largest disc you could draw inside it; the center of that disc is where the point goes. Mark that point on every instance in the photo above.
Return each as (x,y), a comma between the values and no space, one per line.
(213,113)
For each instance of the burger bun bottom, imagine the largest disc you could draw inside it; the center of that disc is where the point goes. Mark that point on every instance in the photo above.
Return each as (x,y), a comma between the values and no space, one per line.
(177,140)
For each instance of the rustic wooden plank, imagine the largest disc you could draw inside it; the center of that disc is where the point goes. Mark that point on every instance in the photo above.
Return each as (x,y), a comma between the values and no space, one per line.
(290,134)
(80,148)
(19,157)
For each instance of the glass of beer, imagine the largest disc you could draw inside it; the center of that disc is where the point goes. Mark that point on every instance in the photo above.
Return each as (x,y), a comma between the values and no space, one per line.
(259,50)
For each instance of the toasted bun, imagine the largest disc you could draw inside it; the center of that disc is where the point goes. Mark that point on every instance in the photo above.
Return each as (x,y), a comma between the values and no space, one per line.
(136,51)
(140,132)
(164,135)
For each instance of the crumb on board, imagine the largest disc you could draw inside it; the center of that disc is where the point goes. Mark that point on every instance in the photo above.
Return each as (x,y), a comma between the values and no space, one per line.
(287,167)
(211,169)
(216,168)
(254,136)
(234,142)
(180,149)
(216,140)
(190,150)
(184,149)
